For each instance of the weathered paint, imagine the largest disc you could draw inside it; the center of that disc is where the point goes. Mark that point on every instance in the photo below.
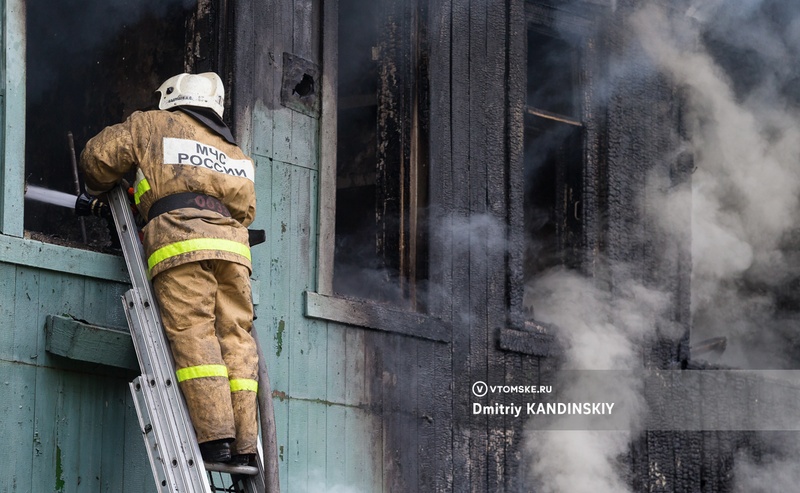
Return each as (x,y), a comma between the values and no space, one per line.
(79,409)
(12,143)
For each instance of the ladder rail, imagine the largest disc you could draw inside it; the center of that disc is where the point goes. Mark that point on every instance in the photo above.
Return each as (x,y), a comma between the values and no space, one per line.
(166,426)
(170,439)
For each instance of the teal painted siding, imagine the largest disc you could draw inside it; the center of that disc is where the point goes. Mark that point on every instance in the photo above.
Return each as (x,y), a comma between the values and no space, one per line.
(13,116)
(326,435)
(75,422)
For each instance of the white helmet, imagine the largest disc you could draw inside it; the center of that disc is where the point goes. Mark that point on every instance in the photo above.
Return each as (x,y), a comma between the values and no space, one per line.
(203,90)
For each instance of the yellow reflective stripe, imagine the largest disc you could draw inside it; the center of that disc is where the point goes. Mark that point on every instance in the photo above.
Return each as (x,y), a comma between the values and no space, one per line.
(141,187)
(244,384)
(194,245)
(201,371)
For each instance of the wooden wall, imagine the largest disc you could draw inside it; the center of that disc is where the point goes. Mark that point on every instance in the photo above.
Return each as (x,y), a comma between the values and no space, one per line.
(365,406)
(67,426)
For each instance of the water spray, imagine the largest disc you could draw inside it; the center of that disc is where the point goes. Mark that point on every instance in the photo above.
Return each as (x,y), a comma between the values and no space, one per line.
(83,204)
(53,197)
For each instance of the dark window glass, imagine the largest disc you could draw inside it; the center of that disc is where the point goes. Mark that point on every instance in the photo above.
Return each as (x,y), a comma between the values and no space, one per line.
(381,180)
(553,154)
(90,63)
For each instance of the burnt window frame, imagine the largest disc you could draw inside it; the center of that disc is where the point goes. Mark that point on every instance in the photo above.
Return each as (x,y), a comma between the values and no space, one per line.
(575,23)
(15,248)
(323,303)
(15,245)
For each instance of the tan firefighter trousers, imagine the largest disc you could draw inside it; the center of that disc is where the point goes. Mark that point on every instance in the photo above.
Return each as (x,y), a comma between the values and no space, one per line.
(207,312)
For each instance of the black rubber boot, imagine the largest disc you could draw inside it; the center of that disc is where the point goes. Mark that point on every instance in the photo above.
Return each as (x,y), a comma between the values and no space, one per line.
(216,450)
(243,459)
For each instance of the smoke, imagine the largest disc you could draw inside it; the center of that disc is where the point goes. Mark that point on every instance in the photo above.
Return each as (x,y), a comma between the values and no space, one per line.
(745,189)
(770,475)
(734,63)
(601,331)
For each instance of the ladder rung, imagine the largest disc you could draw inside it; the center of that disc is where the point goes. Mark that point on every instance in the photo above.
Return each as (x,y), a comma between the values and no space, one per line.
(231,469)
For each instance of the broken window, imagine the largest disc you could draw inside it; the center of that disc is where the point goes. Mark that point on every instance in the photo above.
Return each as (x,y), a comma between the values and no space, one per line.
(553,154)
(90,64)
(381,155)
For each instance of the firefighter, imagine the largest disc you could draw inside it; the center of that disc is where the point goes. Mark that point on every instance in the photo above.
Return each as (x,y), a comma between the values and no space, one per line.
(195,188)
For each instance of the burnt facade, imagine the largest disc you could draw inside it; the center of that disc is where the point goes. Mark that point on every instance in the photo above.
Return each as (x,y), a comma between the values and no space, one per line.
(422,166)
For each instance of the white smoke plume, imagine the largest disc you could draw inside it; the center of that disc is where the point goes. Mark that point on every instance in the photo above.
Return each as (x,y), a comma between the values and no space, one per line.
(745,187)
(601,332)
(745,140)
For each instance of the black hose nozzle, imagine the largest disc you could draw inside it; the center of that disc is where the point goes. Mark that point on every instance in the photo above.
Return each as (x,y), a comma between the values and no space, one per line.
(88,205)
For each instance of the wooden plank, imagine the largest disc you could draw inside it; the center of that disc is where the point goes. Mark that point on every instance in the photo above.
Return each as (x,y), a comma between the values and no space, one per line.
(317,331)
(480,97)
(136,474)
(355,372)
(302,29)
(113,455)
(327,148)
(336,391)
(400,414)
(85,342)
(25,346)
(376,316)
(12,170)
(282,122)
(363,444)
(266,83)
(517,47)
(305,132)
(335,448)
(441,157)
(282,419)
(278,274)
(17,405)
(58,258)
(461,283)
(8,293)
(532,343)
(496,71)
(244,66)
(443,418)
(63,293)
(47,463)
(297,448)
(295,225)
(428,389)
(317,444)
(85,449)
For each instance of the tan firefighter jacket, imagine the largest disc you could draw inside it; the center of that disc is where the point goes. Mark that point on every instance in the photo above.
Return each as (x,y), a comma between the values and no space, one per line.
(173,153)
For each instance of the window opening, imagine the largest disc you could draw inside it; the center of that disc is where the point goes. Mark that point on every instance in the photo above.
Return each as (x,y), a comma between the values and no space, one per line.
(553,156)
(381,164)
(90,63)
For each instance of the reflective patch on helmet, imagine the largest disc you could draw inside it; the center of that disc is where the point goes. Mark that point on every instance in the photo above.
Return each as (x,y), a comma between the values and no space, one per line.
(193,153)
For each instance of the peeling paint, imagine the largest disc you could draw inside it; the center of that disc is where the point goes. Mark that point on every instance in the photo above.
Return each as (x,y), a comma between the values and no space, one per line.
(59,471)
(279,338)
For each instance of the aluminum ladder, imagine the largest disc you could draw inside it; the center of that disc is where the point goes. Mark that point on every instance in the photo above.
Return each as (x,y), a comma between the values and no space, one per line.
(163,416)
